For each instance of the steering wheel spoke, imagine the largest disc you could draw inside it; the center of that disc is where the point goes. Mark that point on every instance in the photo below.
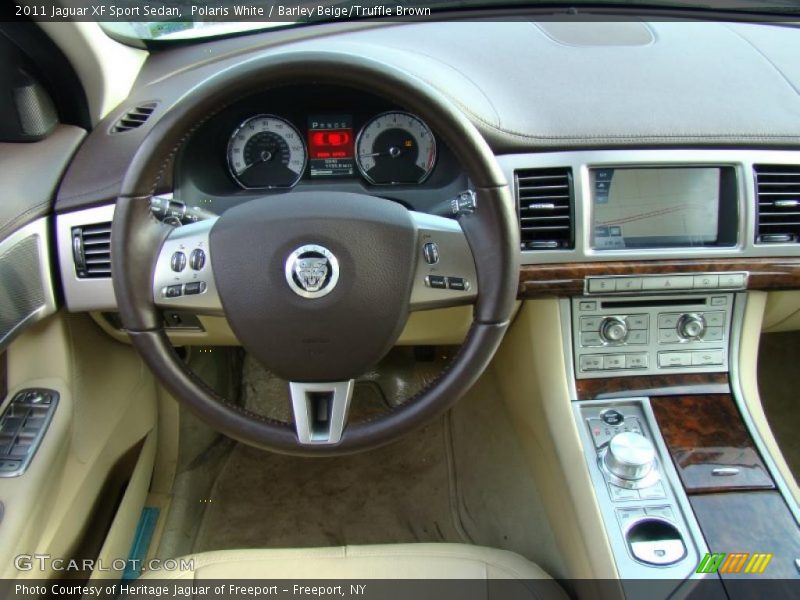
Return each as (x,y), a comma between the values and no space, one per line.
(445,271)
(320,410)
(183,277)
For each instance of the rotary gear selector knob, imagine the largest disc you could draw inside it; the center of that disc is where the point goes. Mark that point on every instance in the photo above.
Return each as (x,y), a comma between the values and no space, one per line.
(691,326)
(614,329)
(630,456)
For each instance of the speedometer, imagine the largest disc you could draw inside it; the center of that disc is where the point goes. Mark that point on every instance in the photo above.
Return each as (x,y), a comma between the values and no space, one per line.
(395,147)
(266,152)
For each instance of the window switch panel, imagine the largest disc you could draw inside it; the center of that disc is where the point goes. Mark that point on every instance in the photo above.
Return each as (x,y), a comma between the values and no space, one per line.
(22,427)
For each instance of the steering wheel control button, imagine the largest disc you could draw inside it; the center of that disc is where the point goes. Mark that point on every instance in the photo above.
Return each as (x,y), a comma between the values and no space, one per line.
(612,417)
(178,262)
(195,287)
(431,253)
(312,271)
(436,281)
(458,284)
(197,259)
(173,291)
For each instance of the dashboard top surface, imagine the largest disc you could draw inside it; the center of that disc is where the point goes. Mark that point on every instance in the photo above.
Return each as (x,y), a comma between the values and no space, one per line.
(527,86)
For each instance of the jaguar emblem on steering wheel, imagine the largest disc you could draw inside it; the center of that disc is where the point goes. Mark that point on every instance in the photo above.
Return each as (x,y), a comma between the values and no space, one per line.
(312,271)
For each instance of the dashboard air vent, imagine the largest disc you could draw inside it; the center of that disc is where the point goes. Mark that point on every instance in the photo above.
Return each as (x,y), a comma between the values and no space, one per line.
(545,202)
(778,197)
(91,250)
(136,117)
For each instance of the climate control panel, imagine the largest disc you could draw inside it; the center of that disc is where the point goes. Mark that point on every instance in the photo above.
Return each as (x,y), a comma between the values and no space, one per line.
(635,335)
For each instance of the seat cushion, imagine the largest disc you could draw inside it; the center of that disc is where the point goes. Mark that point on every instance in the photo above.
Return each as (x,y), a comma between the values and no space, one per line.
(395,561)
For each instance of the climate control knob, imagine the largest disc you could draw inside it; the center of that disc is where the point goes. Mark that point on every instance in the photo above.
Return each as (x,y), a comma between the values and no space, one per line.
(614,330)
(691,326)
(629,456)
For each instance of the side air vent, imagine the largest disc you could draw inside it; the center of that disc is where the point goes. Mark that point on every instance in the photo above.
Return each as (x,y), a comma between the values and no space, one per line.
(91,250)
(545,202)
(778,197)
(134,118)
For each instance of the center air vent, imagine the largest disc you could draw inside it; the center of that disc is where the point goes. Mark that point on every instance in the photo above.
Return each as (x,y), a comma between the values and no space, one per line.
(778,198)
(136,117)
(545,201)
(91,250)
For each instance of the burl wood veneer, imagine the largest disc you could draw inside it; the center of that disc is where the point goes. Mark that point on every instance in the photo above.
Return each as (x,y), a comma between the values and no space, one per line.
(709,443)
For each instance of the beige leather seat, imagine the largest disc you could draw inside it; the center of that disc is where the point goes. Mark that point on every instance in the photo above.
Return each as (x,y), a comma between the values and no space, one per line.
(395,561)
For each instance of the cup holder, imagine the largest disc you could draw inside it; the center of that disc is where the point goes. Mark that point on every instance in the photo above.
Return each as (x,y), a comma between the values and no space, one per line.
(656,542)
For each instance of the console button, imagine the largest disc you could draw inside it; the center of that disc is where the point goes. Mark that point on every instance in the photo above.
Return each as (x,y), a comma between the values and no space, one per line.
(668,320)
(627,516)
(591,362)
(637,336)
(619,494)
(732,280)
(691,326)
(178,262)
(197,259)
(668,336)
(436,281)
(706,357)
(638,321)
(653,492)
(173,291)
(597,285)
(591,323)
(612,417)
(636,361)
(628,284)
(591,338)
(601,432)
(719,301)
(457,283)
(614,329)
(614,361)
(587,305)
(706,282)
(715,319)
(675,282)
(674,359)
(713,334)
(665,512)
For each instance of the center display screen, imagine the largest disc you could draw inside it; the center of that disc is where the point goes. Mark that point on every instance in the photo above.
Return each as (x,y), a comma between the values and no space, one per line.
(655,207)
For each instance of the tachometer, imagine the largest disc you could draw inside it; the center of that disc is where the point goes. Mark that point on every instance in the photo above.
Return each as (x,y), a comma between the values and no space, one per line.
(266,152)
(395,147)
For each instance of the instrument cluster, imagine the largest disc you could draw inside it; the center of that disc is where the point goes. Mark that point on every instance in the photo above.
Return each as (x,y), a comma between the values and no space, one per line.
(270,151)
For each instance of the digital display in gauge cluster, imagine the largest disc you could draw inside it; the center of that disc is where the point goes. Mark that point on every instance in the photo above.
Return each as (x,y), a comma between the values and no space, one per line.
(331,145)
(392,148)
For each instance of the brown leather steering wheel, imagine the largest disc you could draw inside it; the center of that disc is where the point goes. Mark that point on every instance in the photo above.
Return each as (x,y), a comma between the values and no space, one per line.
(316,285)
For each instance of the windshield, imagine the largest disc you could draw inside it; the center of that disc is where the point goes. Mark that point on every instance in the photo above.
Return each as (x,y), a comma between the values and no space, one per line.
(187,19)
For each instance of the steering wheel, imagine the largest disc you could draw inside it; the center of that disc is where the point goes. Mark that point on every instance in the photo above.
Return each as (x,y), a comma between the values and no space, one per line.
(316,285)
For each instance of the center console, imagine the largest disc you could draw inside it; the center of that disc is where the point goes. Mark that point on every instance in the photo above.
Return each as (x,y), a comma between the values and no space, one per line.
(652,254)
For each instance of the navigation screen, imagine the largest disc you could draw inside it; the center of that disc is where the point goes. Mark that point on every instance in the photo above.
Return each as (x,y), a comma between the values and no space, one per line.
(654,208)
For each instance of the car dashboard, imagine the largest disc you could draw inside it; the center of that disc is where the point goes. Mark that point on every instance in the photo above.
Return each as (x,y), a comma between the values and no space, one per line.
(656,188)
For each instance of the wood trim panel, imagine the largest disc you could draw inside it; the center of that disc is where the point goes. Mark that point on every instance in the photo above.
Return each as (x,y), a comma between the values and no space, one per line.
(704,433)
(753,522)
(567,279)
(645,385)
